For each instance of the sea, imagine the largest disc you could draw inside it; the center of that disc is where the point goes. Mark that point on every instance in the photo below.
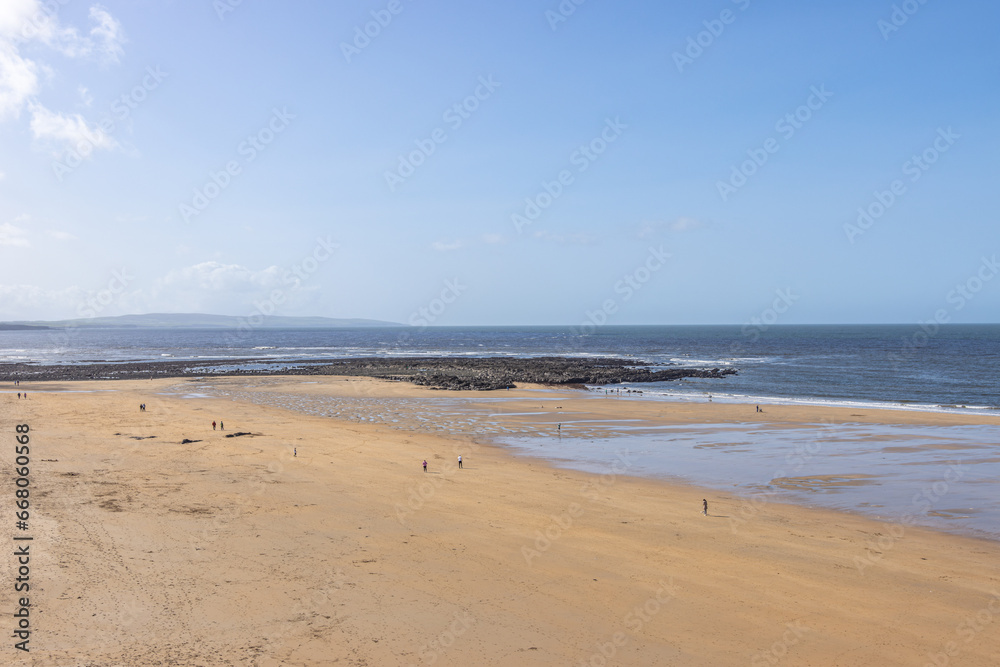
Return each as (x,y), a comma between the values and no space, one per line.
(944,477)
(953,368)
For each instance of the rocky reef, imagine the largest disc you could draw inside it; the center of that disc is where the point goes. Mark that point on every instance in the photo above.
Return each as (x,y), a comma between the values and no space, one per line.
(453,373)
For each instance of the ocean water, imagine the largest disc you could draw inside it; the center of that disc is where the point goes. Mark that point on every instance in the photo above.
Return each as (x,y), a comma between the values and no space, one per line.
(942,477)
(953,367)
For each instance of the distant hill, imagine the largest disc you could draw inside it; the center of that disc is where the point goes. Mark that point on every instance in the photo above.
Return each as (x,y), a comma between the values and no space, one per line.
(201,321)
(4,326)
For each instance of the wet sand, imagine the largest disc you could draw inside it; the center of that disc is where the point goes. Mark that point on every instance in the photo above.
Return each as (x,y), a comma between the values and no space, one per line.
(234,551)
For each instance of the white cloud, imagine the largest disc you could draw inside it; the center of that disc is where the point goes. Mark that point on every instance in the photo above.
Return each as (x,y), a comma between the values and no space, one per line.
(29,302)
(566,239)
(85,96)
(494,239)
(72,130)
(13,236)
(32,302)
(15,16)
(23,21)
(104,40)
(107,35)
(651,228)
(441,246)
(18,81)
(216,287)
(218,277)
(59,236)
(207,287)
(686,224)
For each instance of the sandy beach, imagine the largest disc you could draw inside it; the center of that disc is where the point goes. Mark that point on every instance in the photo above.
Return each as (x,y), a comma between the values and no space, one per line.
(315,540)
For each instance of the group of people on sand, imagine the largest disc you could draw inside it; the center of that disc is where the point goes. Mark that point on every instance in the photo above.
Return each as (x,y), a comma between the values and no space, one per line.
(619,391)
(222,427)
(25,394)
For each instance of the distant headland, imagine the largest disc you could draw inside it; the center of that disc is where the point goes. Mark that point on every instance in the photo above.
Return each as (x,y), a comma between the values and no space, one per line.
(195,321)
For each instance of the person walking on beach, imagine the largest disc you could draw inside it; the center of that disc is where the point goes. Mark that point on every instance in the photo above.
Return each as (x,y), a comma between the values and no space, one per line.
(295,451)
(704,506)
(460,461)
(425,465)
(213,425)
(222,427)
(18,395)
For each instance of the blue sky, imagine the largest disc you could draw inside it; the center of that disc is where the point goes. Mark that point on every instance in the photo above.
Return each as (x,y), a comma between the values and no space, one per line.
(230,146)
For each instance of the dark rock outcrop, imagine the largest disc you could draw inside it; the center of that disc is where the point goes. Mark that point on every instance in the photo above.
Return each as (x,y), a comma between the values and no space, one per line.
(453,373)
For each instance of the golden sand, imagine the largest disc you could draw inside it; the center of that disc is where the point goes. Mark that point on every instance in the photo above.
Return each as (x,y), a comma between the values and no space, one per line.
(237,551)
